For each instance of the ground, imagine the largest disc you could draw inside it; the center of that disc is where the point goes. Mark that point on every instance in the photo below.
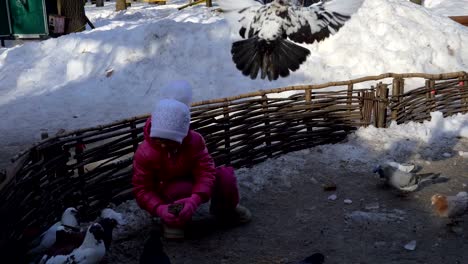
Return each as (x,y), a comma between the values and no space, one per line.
(293,217)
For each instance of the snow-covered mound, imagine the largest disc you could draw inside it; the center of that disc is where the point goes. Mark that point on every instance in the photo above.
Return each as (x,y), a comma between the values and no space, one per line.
(391,36)
(448,7)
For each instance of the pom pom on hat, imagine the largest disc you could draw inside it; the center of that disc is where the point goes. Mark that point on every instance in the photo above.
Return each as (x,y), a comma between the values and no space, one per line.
(170,119)
(179,90)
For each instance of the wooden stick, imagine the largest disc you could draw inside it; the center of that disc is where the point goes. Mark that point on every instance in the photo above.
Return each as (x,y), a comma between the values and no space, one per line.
(191,4)
(89,22)
(460,19)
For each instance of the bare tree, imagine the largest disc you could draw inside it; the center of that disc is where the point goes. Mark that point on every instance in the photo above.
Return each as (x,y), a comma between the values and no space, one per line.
(75,13)
(120,5)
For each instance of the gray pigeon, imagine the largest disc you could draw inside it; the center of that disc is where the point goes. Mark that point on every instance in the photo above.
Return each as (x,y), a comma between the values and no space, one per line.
(402,180)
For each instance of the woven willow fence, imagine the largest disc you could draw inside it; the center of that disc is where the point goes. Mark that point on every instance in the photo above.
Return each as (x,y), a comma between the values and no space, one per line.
(89,168)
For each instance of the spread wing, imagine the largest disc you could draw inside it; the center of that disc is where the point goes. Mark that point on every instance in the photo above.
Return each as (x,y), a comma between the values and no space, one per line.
(318,21)
(240,13)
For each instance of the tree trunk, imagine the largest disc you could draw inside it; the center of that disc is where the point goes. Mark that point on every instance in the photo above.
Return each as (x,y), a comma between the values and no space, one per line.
(99,3)
(75,13)
(120,5)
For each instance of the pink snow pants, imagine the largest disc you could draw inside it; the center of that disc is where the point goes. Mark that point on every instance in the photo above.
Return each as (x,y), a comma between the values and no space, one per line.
(224,196)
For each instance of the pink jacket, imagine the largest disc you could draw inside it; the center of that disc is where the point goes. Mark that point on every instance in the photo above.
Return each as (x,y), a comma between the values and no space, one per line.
(153,166)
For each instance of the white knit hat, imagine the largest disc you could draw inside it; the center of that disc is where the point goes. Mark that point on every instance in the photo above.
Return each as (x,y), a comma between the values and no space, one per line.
(179,90)
(170,120)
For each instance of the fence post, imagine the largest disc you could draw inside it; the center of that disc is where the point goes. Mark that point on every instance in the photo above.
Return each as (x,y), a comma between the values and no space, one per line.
(227,136)
(308,99)
(134,135)
(396,99)
(430,96)
(267,124)
(382,102)
(350,96)
(463,83)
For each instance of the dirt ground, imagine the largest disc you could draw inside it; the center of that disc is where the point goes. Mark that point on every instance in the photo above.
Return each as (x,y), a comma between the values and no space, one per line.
(293,218)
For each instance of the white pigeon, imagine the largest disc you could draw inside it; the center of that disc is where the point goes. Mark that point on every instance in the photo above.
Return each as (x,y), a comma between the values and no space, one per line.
(67,241)
(91,251)
(266,26)
(400,179)
(47,239)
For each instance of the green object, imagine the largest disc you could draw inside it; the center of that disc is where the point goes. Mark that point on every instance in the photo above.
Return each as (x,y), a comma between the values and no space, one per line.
(5,26)
(28,18)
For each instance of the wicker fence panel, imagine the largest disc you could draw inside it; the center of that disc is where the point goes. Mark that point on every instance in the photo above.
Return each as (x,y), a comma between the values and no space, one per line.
(448,97)
(89,168)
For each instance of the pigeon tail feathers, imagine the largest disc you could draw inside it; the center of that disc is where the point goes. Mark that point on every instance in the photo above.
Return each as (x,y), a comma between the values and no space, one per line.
(271,58)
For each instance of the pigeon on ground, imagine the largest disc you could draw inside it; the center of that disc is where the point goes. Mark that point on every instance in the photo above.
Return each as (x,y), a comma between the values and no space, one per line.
(452,207)
(271,29)
(109,220)
(153,252)
(68,222)
(402,180)
(66,242)
(91,251)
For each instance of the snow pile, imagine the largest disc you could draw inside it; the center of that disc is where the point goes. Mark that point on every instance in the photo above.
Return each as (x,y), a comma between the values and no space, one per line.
(390,36)
(431,138)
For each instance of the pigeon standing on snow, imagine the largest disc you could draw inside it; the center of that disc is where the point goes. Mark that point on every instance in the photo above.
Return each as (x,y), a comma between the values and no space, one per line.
(153,252)
(68,222)
(109,220)
(270,28)
(91,251)
(402,180)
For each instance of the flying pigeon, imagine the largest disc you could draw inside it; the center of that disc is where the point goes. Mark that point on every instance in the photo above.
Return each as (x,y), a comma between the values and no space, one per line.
(271,29)
(68,221)
(402,180)
(91,251)
(153,252)
(452,207)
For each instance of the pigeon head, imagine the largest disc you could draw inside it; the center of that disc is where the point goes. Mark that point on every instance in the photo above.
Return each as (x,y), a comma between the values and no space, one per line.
(108,224)
(440,204)
(154,242)
(379,170)
(283,2)
(70,217)
(97,231)
(317,258)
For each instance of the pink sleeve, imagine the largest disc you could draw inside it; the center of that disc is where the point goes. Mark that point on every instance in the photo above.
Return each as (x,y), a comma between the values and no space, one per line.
(143,183)
(204,171)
